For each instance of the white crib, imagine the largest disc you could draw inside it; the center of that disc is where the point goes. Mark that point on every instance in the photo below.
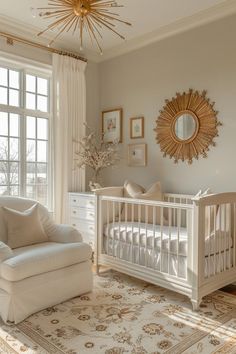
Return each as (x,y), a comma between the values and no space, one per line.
(182,244)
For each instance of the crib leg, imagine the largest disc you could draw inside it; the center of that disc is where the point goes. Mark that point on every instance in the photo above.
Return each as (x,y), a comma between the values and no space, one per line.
(196,304)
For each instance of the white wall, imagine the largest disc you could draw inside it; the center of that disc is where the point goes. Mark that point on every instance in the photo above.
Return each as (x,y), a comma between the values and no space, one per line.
(139,82)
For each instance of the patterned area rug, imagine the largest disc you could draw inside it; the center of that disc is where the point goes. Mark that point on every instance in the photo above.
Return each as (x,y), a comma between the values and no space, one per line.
(125,315)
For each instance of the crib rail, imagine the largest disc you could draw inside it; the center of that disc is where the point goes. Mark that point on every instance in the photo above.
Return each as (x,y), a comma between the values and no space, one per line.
(147,233)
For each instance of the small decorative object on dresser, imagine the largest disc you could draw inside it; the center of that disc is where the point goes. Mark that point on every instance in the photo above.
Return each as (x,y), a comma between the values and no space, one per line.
(137,128)
(112,125)
(82,215)
(137,155)
(96,154)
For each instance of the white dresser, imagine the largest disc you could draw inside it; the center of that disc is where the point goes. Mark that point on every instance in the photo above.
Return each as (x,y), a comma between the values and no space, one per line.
(82,215)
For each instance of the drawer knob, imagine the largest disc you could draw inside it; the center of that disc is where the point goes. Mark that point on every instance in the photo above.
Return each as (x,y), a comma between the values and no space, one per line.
(74,225)
(74,200)
(74,212)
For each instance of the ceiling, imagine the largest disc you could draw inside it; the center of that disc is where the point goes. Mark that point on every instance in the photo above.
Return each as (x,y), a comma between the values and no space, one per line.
(151,20)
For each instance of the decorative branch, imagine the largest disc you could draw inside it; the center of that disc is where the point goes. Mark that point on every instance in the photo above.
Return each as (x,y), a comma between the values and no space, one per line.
(95,153)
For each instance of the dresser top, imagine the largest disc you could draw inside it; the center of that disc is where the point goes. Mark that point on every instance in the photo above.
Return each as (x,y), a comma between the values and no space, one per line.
(86,194)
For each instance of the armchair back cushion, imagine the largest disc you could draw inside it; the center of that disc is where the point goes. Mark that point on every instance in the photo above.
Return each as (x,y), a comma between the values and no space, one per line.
(24,228)
(22,204)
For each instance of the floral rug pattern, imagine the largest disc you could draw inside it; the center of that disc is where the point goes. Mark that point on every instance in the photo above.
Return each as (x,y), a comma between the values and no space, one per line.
(126,315)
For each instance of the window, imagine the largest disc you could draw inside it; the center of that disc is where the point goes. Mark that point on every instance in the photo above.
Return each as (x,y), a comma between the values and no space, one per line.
(24,133)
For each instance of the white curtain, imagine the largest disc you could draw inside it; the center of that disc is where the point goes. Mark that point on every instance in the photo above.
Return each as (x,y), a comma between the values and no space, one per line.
(67,126)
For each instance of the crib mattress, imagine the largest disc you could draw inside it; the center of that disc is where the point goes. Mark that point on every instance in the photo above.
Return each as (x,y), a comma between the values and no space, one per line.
(169,240)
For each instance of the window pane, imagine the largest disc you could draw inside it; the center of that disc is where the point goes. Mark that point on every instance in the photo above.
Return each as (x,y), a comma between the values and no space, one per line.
(42,104)
(14,173)
(14,98)
(31,127)
(31,176)
(42,86)
(14,79)
(30,83)
(42,194)
(3,123)
(30,192)
(42,151)
(42,128)
(14,149)
(30,101)
(3,148)
(30,150)
(14,124)
(14,190)
(3,190)
(3,76)
(3,172)
(41,173)
(3,95)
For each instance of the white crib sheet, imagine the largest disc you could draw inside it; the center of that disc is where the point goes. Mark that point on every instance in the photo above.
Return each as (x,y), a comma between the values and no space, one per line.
(128,232)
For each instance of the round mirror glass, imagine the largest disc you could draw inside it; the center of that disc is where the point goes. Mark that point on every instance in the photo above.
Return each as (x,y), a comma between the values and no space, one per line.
(185,126)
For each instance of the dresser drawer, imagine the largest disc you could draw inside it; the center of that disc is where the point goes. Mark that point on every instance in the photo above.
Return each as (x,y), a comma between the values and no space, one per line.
(80,201)
(83,213)
(83,227)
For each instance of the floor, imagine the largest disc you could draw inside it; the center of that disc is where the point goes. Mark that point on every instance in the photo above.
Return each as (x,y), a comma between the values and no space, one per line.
(230,289)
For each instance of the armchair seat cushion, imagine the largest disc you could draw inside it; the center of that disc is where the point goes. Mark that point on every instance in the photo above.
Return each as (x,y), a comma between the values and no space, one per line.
(42,258)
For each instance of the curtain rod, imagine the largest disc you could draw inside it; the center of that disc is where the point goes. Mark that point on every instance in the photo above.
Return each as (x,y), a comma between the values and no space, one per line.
(12,38)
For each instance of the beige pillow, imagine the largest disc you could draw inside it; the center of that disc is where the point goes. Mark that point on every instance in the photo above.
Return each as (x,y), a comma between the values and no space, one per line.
(131,189)
(146,214)
(24,228)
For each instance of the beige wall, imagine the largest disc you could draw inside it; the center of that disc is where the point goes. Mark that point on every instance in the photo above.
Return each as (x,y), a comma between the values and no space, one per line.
(139,82)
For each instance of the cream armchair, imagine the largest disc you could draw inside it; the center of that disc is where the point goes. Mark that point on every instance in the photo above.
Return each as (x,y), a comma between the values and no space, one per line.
(37,276)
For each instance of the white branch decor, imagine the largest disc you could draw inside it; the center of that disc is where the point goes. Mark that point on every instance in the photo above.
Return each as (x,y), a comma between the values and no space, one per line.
(96,154)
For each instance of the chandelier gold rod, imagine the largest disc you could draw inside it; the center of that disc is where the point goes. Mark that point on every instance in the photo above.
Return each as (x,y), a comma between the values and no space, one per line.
(12,38)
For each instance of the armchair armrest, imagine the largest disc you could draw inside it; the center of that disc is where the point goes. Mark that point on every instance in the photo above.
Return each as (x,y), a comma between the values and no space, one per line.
(64,234)
(5,252)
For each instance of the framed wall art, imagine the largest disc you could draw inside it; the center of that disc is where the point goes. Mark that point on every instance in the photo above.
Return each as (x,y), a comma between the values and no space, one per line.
(112,125)
(137,127)
(137,155)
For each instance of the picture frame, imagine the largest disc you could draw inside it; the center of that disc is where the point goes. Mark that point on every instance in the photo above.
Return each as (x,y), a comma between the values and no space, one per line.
(137,155)
(112,125)
(137,128)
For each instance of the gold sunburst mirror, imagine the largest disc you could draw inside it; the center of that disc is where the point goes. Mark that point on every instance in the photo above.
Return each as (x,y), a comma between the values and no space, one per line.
(187,126)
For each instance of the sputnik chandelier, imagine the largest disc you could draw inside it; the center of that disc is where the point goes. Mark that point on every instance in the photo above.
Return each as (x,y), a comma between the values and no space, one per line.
(82,15)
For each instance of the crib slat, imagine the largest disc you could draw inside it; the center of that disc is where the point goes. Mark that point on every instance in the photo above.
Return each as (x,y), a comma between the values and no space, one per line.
(169,239)
(119,220)
(230,234)
(178,233)
(108,229)
(139,218)
(225,237)
(208,234)
(113,226)
(162,218)
(146,238)
(214,239)
(234,241)
(132,235)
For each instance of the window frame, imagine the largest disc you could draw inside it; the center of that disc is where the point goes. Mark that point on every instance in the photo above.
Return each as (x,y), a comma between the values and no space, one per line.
(26,68)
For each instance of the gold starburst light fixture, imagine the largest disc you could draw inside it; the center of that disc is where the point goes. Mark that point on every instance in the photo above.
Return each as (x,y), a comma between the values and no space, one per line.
(82,15)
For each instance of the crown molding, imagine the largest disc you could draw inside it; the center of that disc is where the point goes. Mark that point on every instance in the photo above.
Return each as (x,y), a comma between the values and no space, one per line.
(227,8)
(199,19)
